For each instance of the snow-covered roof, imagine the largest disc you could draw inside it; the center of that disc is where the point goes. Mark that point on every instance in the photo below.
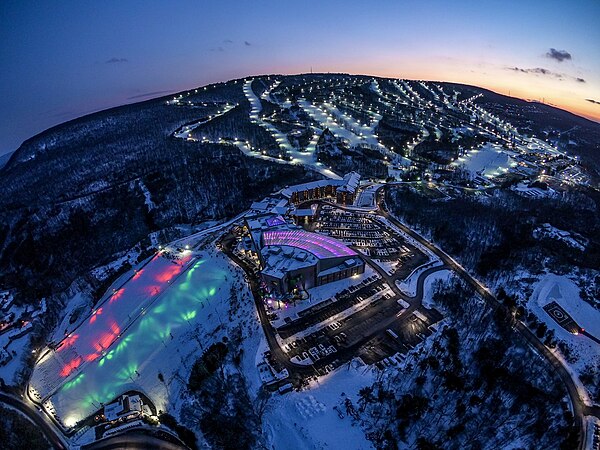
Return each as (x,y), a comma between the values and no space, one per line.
(282,259)
(305,212)
(271,205)
(287,192)
(124,405)
(264,222)
(351,182)
(345,265)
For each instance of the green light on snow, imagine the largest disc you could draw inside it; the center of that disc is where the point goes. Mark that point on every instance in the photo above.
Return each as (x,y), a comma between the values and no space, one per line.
(69,384)
(189,315)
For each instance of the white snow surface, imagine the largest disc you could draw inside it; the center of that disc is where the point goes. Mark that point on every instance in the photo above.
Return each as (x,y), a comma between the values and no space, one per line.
(12,368)
(306,420)
(565,292)
(409,285)
(164,317)
(428,286)
(490,160)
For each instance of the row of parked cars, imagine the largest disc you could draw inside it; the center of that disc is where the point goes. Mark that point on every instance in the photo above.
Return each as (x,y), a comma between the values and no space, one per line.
(319,351)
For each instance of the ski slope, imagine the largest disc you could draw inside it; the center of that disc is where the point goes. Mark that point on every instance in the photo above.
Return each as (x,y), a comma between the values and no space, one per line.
(138,332)
(489,161)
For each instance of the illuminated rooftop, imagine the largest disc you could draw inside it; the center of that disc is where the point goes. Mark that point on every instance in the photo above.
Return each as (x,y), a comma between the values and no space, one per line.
(319,245)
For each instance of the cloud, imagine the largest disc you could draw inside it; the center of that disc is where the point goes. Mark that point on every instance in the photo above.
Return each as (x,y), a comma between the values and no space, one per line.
(147,94)
(546,72)
(216,49)
(227,41)
(539,70)
(559,55)
(114,60)
(247,44)
(536,70)
(591,100)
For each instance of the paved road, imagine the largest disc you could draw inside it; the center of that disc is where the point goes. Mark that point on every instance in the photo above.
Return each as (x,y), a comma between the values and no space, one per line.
(41,421)
(344,353)
(579,408)
(592,337)
(276,351)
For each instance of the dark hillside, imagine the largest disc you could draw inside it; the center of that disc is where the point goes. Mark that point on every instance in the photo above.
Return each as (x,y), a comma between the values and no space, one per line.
(75,196)
(577,135)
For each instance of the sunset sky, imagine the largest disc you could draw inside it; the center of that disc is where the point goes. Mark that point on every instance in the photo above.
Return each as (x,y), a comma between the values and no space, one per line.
(62,59)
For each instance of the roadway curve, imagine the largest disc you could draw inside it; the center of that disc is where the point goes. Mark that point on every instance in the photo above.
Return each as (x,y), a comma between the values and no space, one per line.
(344,353)
(41,421)
(134,439)
(580,409)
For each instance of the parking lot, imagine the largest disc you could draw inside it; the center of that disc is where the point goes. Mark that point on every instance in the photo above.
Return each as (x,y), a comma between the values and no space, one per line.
(361,231)
(341,301)
(338,341)
(372,319)
(390,346)
(342,326)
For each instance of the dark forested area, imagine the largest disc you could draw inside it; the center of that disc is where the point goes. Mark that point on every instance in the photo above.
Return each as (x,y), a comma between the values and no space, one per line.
(74,197)
(475,386)
(495,233)
(18,433)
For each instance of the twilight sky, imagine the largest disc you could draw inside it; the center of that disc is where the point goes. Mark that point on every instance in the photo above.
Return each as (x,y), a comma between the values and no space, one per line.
(62,59)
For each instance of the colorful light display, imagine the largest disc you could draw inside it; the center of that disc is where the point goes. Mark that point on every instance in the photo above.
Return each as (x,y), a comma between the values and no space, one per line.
(111,354)
(319,245)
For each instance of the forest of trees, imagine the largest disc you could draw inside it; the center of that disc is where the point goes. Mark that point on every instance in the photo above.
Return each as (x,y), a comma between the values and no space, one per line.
(474,385)
(494,234)
(73,196)
(18,433)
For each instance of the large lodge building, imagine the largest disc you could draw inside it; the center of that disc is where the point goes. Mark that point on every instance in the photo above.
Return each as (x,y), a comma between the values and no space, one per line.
(343,191)
(290,258)
(293,259)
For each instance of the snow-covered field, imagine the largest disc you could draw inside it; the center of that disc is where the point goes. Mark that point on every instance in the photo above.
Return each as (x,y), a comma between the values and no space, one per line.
(490,160)
(12,367)
(159,318)
(565,292)
(106,324)
(429,286)
(307,420)
(409,285)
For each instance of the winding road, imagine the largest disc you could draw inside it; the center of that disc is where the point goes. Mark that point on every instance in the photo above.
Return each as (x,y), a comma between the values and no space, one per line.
(41,420)
(580,409)
(133,440)
(344,353)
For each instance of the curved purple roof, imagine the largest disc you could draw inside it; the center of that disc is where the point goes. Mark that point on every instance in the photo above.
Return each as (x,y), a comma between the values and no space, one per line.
(319,245)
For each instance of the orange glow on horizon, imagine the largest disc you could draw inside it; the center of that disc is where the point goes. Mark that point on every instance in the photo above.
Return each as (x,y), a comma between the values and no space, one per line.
(564,93)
